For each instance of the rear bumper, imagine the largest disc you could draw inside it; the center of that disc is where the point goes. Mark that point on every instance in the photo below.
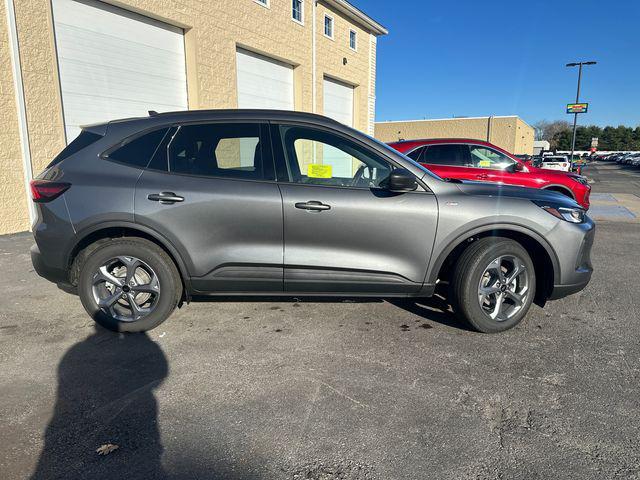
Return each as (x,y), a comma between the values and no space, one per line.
(47,271)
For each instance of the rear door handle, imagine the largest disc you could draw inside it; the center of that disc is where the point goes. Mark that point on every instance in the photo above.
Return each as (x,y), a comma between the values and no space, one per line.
(166,198)
(313,205)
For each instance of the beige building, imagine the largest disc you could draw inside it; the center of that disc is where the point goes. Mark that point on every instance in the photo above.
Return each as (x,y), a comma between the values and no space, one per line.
(510,132)
(66,63)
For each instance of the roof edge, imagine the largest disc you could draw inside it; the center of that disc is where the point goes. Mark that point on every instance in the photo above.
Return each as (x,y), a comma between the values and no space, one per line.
(358,15)
(450,118)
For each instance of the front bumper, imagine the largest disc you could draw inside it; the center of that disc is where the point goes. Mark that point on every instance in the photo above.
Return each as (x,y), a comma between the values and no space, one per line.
(577,268)
(561,291)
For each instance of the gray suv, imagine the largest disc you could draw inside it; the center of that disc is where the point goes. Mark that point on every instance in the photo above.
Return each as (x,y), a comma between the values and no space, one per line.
(140,215)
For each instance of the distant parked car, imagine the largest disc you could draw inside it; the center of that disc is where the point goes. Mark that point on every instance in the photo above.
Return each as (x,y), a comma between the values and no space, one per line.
(467,159)
(635,160)
(556,162)
(622,160)
(631,158)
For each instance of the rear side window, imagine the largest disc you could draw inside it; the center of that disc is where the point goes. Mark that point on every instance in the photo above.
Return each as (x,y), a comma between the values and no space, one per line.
(415,155)
(138,151)
(81,141)
(452,155)
(218,150)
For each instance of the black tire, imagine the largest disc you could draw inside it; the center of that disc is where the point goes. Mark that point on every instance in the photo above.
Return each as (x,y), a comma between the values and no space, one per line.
(170,284)
(464,288)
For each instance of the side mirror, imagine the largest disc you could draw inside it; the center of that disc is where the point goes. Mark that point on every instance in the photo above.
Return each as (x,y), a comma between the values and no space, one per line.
(401,180)
(517,167)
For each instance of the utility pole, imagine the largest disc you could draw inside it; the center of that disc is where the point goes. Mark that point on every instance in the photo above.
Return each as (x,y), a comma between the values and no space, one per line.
(575,115)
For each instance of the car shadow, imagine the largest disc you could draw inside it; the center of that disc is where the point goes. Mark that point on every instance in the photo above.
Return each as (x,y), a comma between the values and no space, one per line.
(435,309)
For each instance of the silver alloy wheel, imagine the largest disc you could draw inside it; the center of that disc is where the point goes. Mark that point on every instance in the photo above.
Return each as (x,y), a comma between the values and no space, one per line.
(503,288)
(126,288)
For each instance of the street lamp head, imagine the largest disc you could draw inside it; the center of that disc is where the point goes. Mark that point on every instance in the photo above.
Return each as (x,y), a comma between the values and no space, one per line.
(575,64)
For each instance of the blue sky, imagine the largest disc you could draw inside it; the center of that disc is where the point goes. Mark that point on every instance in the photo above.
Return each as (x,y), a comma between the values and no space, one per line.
(497,57)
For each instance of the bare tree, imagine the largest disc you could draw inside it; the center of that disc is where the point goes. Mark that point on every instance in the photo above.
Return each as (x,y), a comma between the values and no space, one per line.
(551,131)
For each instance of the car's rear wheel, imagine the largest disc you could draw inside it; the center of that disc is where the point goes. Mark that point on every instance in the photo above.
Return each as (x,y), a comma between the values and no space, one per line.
(493,284)
(129,285)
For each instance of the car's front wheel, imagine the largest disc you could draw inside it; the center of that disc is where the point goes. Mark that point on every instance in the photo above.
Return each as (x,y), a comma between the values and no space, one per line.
(493,284)
(129,285)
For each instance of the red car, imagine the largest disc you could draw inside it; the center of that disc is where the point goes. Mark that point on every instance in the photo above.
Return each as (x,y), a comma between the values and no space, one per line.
(467,159)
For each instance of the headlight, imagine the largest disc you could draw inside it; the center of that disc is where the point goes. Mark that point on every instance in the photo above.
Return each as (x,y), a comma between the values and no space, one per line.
(569,214)
(580,179)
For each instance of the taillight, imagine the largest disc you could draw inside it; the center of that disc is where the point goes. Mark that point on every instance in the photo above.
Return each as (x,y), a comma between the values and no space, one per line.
(43,191)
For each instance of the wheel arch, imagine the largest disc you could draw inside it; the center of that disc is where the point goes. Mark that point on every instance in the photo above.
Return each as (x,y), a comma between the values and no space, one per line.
(542,254)
(109,230)
(554,187)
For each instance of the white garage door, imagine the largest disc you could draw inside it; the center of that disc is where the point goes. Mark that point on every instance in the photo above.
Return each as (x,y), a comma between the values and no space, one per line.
(263,82)
(338,101)
(338,104)
(115,63)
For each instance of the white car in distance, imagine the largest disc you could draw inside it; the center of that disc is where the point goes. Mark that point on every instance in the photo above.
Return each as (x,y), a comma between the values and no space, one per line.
(556,162)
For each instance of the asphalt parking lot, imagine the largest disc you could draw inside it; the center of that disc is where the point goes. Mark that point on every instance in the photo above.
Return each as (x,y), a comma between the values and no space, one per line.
(320,389)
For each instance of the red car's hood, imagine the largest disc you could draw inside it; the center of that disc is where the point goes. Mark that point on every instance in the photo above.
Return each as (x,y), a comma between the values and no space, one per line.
(552,173)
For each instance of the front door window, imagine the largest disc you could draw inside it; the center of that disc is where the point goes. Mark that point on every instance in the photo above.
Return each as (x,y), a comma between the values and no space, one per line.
(320,158)
(483,157)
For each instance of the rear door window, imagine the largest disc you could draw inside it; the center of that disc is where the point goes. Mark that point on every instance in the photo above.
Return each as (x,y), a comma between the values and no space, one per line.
(138,151)
(415,154)
(451,155)
(219,150)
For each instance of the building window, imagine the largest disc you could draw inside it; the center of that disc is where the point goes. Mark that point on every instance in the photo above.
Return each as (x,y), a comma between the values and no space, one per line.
(264,3)
(297,10)
(353,39)
(328,26)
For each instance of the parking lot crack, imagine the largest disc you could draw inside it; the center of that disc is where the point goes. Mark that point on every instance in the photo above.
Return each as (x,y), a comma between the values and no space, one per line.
(342,394)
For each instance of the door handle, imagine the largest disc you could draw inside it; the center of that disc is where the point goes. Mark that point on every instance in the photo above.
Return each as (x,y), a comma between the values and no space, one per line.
(166,198)
(313,205)
(482,176)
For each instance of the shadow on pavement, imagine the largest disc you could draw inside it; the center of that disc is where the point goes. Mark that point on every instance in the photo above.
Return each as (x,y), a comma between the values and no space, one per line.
(435,309)
(105,395)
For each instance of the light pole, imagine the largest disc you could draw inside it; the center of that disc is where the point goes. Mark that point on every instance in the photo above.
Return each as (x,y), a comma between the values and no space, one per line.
(575,115)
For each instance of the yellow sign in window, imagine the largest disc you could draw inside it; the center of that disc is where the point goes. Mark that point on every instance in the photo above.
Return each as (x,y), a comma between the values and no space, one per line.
(484,163)
(319,171)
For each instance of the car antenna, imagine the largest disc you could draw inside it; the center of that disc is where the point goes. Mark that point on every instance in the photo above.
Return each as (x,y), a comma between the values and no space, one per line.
(152,113)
